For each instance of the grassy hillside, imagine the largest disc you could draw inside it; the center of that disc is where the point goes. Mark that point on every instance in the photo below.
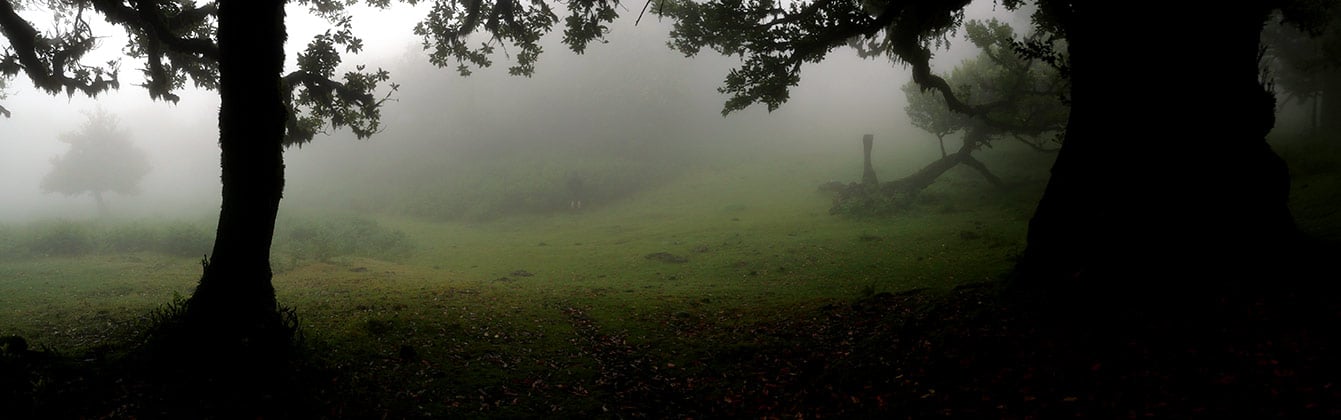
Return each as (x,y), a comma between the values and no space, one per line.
(729,233)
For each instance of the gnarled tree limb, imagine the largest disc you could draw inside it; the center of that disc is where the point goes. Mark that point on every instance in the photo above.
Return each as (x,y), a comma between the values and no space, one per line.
(51,64)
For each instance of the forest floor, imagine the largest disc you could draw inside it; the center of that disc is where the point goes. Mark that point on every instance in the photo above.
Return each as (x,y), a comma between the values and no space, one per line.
(980,351)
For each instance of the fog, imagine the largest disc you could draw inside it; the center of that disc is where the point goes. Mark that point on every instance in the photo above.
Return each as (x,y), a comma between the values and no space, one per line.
(632,97)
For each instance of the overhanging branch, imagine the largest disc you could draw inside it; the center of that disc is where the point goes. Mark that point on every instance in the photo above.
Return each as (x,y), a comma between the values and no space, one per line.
(327,88)
(46,61)
(148,19)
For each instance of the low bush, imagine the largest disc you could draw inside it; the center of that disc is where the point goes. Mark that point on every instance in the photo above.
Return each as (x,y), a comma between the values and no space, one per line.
(60,238)
(327,237)
(133,237)
(185,240)
(65,238)
(529,185)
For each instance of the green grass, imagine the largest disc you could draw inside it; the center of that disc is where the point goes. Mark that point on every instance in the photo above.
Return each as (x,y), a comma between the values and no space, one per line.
(76,303)
(451,318)
(1315,179)
(527,314)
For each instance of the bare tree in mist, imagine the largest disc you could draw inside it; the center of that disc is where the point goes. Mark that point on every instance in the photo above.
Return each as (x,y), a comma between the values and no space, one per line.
(102,159)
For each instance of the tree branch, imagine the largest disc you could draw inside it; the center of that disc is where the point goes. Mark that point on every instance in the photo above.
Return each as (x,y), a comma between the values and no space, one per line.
(325,87)
(969,160)
(28,48)
(350,103)
(148,19)
(1033,145)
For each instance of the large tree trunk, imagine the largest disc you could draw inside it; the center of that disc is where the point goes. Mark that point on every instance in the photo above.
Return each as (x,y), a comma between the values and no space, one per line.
(1165,173)
(912,184)
(235,298)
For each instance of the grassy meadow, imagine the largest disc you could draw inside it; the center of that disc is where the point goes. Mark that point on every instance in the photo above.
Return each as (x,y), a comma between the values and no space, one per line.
(564,313)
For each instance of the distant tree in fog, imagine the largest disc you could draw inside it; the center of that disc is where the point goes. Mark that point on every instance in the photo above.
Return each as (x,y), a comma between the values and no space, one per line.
(1023,99)
(1164,149)
(102,159)
(1305,64)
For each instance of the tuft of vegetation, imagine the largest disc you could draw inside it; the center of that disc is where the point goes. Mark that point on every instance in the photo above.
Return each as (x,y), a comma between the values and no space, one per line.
(541,183)
(67,238)
(185,240)
(131,238)
(60,238)
(324,238)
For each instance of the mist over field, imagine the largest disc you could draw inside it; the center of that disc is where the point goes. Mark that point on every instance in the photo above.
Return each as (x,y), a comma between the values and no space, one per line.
(633,98)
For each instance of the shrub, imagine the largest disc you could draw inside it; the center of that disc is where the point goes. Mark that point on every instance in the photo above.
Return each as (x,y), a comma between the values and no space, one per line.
(527,184)
(185,240)
(9,242)
(70,238)
(133,237)
(60,238)
(332,237)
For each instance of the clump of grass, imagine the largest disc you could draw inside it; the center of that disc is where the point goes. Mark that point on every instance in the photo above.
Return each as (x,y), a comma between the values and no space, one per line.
(166,316)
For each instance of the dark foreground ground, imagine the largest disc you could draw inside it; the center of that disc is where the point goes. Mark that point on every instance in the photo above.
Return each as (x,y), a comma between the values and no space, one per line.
(1265,350)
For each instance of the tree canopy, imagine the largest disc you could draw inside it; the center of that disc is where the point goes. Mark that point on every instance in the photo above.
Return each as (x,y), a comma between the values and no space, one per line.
(174,39)
(1025,98)
(1021,97)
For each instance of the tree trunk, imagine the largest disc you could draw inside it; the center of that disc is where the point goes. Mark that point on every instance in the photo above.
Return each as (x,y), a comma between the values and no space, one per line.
(102,204)
(235,298)
(923,178)
(867,198)
(1165,173)
(868,172)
